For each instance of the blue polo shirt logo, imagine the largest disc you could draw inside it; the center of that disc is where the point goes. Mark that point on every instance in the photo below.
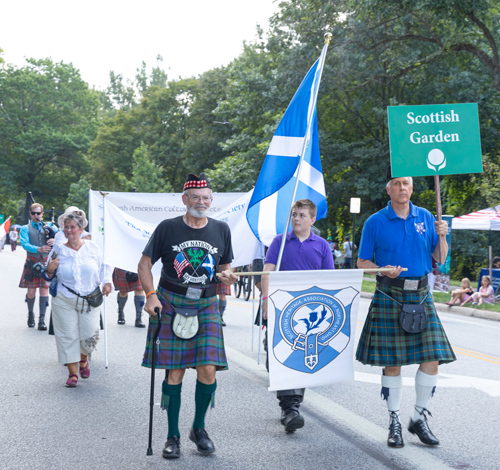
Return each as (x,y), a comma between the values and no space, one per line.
(420,227)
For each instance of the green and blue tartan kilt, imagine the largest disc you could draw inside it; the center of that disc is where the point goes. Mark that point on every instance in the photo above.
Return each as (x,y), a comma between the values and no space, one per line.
(384,343)
(206,348)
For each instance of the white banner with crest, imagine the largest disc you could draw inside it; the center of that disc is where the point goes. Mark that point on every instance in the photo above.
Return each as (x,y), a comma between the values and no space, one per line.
(311,327)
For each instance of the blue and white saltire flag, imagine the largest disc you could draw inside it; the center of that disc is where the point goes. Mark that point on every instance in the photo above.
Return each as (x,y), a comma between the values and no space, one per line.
(312,324)
(271,200)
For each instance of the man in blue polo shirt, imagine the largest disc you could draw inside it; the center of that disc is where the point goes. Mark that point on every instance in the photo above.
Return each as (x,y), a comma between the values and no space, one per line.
(303,251)
(403,235)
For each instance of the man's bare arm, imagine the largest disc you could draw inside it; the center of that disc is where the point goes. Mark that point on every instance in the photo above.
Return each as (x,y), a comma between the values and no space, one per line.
(265,288)
(146,278)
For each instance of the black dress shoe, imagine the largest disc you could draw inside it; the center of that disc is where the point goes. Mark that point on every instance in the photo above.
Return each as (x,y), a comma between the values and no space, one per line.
(41,326)
(121,318)
(395,438)
(31,320)
(200,437)
(172,449)
(421,429)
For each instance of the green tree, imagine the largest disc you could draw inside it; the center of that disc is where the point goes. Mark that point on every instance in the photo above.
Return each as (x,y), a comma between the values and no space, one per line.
(78,195)
(147,177)
(48,117)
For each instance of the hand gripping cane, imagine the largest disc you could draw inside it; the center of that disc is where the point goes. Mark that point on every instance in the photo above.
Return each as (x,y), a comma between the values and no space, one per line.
(152,392)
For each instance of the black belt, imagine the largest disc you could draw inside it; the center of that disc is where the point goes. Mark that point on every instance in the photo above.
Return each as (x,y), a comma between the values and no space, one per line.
(401,282)
(176,289)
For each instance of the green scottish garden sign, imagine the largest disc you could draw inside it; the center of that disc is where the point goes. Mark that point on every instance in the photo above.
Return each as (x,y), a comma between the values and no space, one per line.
(432,140)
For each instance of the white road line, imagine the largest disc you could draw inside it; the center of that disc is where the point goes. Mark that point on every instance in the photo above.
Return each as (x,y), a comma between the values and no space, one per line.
(419,458)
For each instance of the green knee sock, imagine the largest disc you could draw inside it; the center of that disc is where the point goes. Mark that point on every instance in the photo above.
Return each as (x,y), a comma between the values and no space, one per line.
(202,398)
(171,401)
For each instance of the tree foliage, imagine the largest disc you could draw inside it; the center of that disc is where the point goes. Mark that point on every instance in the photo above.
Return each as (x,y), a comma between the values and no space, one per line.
(47,121)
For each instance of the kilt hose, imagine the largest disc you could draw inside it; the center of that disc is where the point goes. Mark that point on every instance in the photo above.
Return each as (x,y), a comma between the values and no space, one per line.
(206,348)
(384,343)
(223,289)
(37,281)
(121,284)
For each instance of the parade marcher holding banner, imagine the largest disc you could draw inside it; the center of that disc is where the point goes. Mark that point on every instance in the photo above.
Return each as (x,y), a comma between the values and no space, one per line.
(404,235)
(125,282)
(192,248)
(303,251)
(37,243)
(76,270)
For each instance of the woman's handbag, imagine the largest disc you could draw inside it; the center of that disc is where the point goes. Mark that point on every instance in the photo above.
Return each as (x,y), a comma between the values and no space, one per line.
(413,318)
(185,324)
(94,299)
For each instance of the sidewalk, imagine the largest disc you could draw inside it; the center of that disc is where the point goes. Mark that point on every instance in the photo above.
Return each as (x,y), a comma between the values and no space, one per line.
(464,311)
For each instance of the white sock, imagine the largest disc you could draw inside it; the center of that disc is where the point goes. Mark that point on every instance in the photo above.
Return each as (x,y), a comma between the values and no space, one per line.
(424,386)
(392,389)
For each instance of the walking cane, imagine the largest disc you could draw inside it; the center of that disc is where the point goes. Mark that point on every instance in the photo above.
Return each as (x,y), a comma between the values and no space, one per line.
(152,393)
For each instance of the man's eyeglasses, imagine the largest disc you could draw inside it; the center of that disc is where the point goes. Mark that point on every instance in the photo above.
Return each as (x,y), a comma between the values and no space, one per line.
(36,213)
(200,198)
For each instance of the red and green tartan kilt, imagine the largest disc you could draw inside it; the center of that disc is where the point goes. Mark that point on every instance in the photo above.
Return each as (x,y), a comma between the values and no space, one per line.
(121,284)
(206,348)
(37,281)
(223,289)
(384,343)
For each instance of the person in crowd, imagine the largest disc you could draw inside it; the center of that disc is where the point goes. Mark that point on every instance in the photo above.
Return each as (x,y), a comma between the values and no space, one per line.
(303,251)
(484,295)
(76,271)
(461,295)
(60,238)
(13,235)
(403,236)
(193,248)
(496,262)
(125,282)
(38,244)
(348,249)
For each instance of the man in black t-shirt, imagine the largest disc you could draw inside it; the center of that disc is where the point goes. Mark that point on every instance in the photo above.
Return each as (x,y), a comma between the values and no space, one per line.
(193,249)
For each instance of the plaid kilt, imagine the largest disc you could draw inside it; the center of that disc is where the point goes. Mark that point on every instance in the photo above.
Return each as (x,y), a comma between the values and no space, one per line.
(206,348)
(121,284)
(384,343)
(37,281)
(223,289)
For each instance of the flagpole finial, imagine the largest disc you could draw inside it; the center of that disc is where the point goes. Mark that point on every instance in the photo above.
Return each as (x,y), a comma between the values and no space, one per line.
(328,38)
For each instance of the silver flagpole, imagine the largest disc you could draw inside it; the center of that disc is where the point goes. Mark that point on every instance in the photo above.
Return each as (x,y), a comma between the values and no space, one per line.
(253,313)
(105,299)
(312,107)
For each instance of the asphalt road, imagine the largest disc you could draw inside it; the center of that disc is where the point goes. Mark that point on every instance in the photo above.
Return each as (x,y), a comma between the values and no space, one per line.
(103,423)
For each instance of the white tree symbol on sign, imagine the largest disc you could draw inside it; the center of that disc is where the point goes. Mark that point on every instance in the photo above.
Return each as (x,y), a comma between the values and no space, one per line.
(436,160)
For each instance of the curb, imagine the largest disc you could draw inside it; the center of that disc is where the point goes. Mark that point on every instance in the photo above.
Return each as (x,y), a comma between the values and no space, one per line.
(463,311)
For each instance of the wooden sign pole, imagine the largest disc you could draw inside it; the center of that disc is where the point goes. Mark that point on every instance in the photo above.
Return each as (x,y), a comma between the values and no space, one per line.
(439,213)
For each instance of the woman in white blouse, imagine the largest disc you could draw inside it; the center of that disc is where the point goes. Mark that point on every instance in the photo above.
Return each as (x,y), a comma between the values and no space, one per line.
(79,267)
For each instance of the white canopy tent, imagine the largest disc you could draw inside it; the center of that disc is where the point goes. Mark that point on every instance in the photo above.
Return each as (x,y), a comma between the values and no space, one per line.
(485,219)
